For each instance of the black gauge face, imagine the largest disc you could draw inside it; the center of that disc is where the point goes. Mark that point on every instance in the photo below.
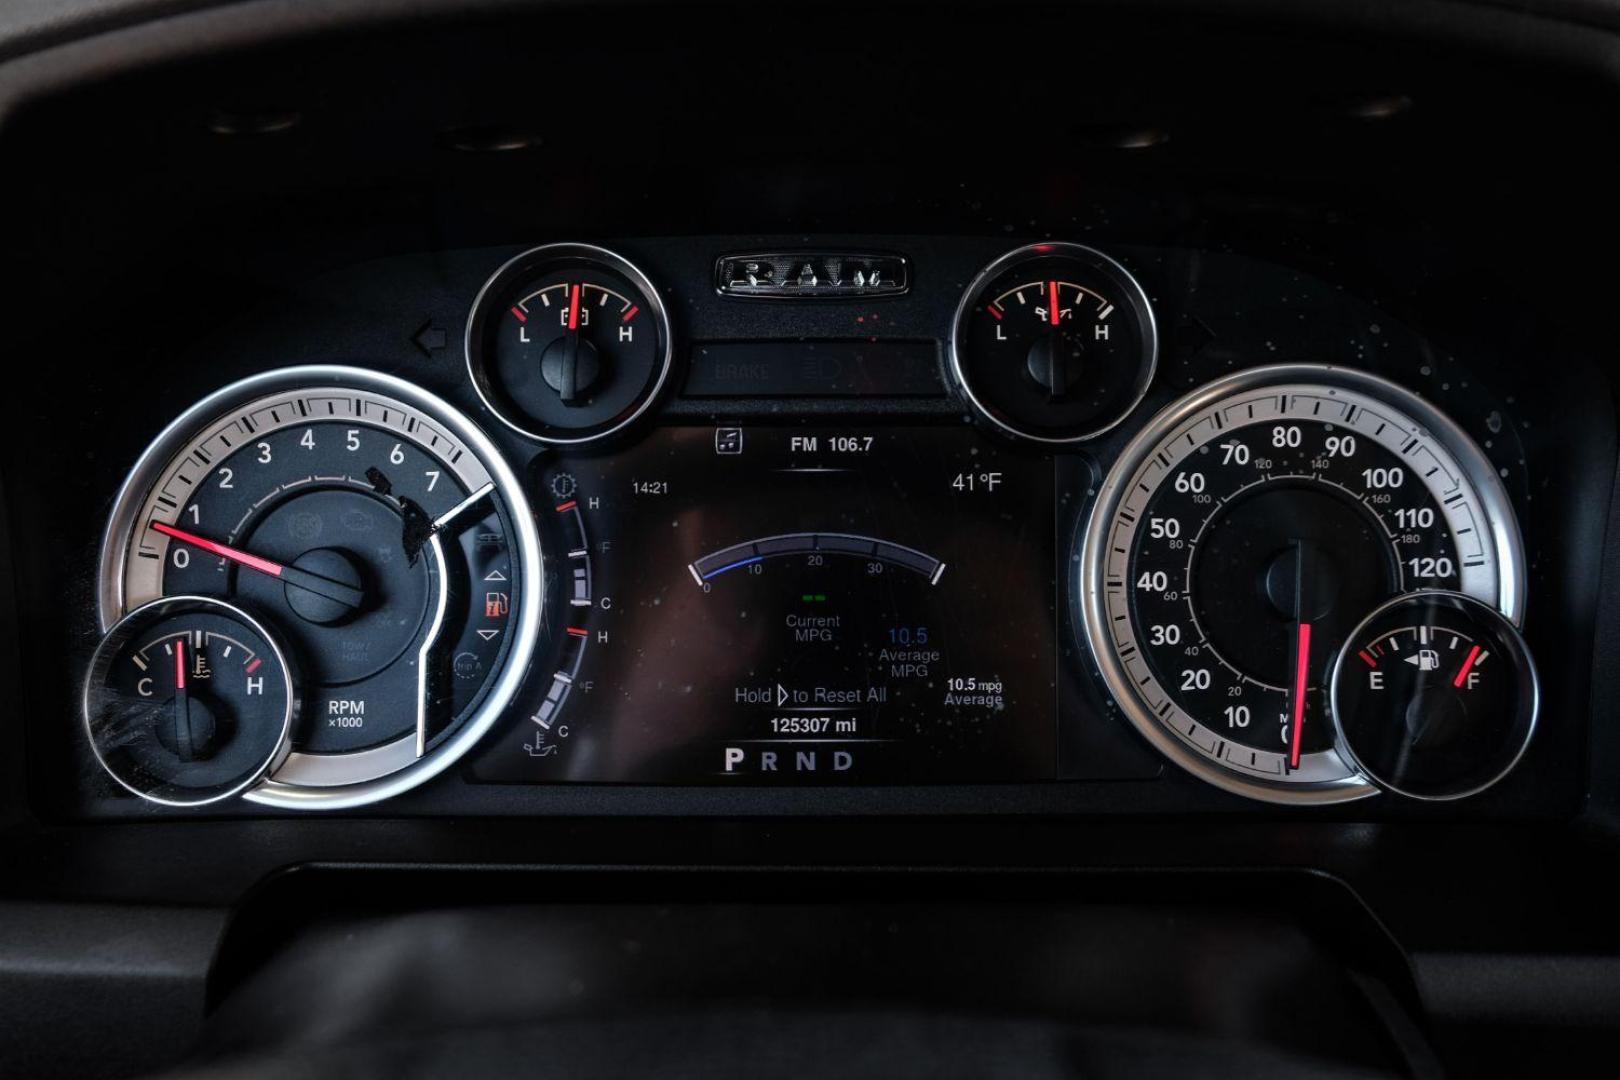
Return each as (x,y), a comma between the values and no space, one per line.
(1246,537)
(1435,696)
(189,701)
(376,541)
(1055,342)
(568,343)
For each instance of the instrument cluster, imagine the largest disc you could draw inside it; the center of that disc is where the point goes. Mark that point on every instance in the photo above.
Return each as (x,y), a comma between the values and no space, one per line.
(944,515)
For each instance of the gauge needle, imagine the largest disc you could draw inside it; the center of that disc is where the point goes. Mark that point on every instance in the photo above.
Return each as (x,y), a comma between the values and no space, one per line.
(182,703)
(573,309)
(302,579)
(1052,303)
(1303,552)
(1302,670)
(1468,664)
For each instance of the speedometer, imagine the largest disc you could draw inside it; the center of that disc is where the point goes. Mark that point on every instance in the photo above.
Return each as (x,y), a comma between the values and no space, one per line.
(1246,531)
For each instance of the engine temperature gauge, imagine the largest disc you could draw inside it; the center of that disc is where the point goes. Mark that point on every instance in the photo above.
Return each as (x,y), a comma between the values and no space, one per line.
(189,701)
(1054,342)
(1434,696)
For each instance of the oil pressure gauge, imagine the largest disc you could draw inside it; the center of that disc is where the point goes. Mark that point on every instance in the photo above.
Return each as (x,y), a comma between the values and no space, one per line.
(568,343)
(1054,343)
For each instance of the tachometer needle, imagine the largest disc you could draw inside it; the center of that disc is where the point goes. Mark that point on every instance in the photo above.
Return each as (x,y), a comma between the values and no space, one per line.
(1302,670)
(347,595)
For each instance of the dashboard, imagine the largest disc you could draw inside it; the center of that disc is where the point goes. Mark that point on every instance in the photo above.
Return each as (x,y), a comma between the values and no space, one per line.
(1000,521)
(870,526)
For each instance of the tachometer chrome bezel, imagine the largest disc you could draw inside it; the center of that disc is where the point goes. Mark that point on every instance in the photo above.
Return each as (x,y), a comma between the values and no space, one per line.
(1091,598)
(384,770)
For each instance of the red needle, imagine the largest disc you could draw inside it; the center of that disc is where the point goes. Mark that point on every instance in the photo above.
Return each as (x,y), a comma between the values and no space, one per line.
(1462,676)
(292,575)
(179,663)
(573,309)
(1051,288)
(1302,668)
(252,562)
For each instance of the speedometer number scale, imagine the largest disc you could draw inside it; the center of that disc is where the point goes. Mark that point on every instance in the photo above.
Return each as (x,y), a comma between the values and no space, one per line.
(1242,537)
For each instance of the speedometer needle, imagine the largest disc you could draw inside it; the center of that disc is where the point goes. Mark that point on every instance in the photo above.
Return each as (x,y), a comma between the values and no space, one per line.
(1302,669)
(347,595)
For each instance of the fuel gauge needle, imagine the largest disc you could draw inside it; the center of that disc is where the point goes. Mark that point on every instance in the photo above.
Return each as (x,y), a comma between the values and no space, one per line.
(1302,670)
(347,595)
(1468,665)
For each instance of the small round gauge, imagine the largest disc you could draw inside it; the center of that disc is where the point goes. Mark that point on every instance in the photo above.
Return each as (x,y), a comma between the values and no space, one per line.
(568,343)
(1243,534)
(1054,342)
(1434,696)
(377,531)
(189,701)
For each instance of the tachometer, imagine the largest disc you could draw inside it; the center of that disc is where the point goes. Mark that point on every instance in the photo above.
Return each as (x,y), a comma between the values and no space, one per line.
(377,531)
(1244,533)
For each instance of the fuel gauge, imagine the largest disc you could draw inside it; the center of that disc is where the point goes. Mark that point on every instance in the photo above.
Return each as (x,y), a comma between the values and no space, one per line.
(1434,696)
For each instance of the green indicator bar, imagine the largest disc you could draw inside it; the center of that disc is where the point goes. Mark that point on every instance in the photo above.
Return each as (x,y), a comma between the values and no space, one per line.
(814,598)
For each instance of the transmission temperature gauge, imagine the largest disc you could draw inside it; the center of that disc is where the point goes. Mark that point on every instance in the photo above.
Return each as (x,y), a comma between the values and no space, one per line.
(1054,343)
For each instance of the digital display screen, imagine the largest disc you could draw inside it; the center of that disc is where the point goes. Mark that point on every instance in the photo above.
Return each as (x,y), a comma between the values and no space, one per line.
(792,605)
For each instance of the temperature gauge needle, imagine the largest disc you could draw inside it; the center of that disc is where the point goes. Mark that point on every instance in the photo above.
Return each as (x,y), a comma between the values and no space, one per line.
(347,595)
(1302,670)
(182,704)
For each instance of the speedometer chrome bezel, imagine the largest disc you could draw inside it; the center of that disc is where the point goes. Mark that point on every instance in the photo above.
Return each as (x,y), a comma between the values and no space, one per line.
(1476,470)
(380,779)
